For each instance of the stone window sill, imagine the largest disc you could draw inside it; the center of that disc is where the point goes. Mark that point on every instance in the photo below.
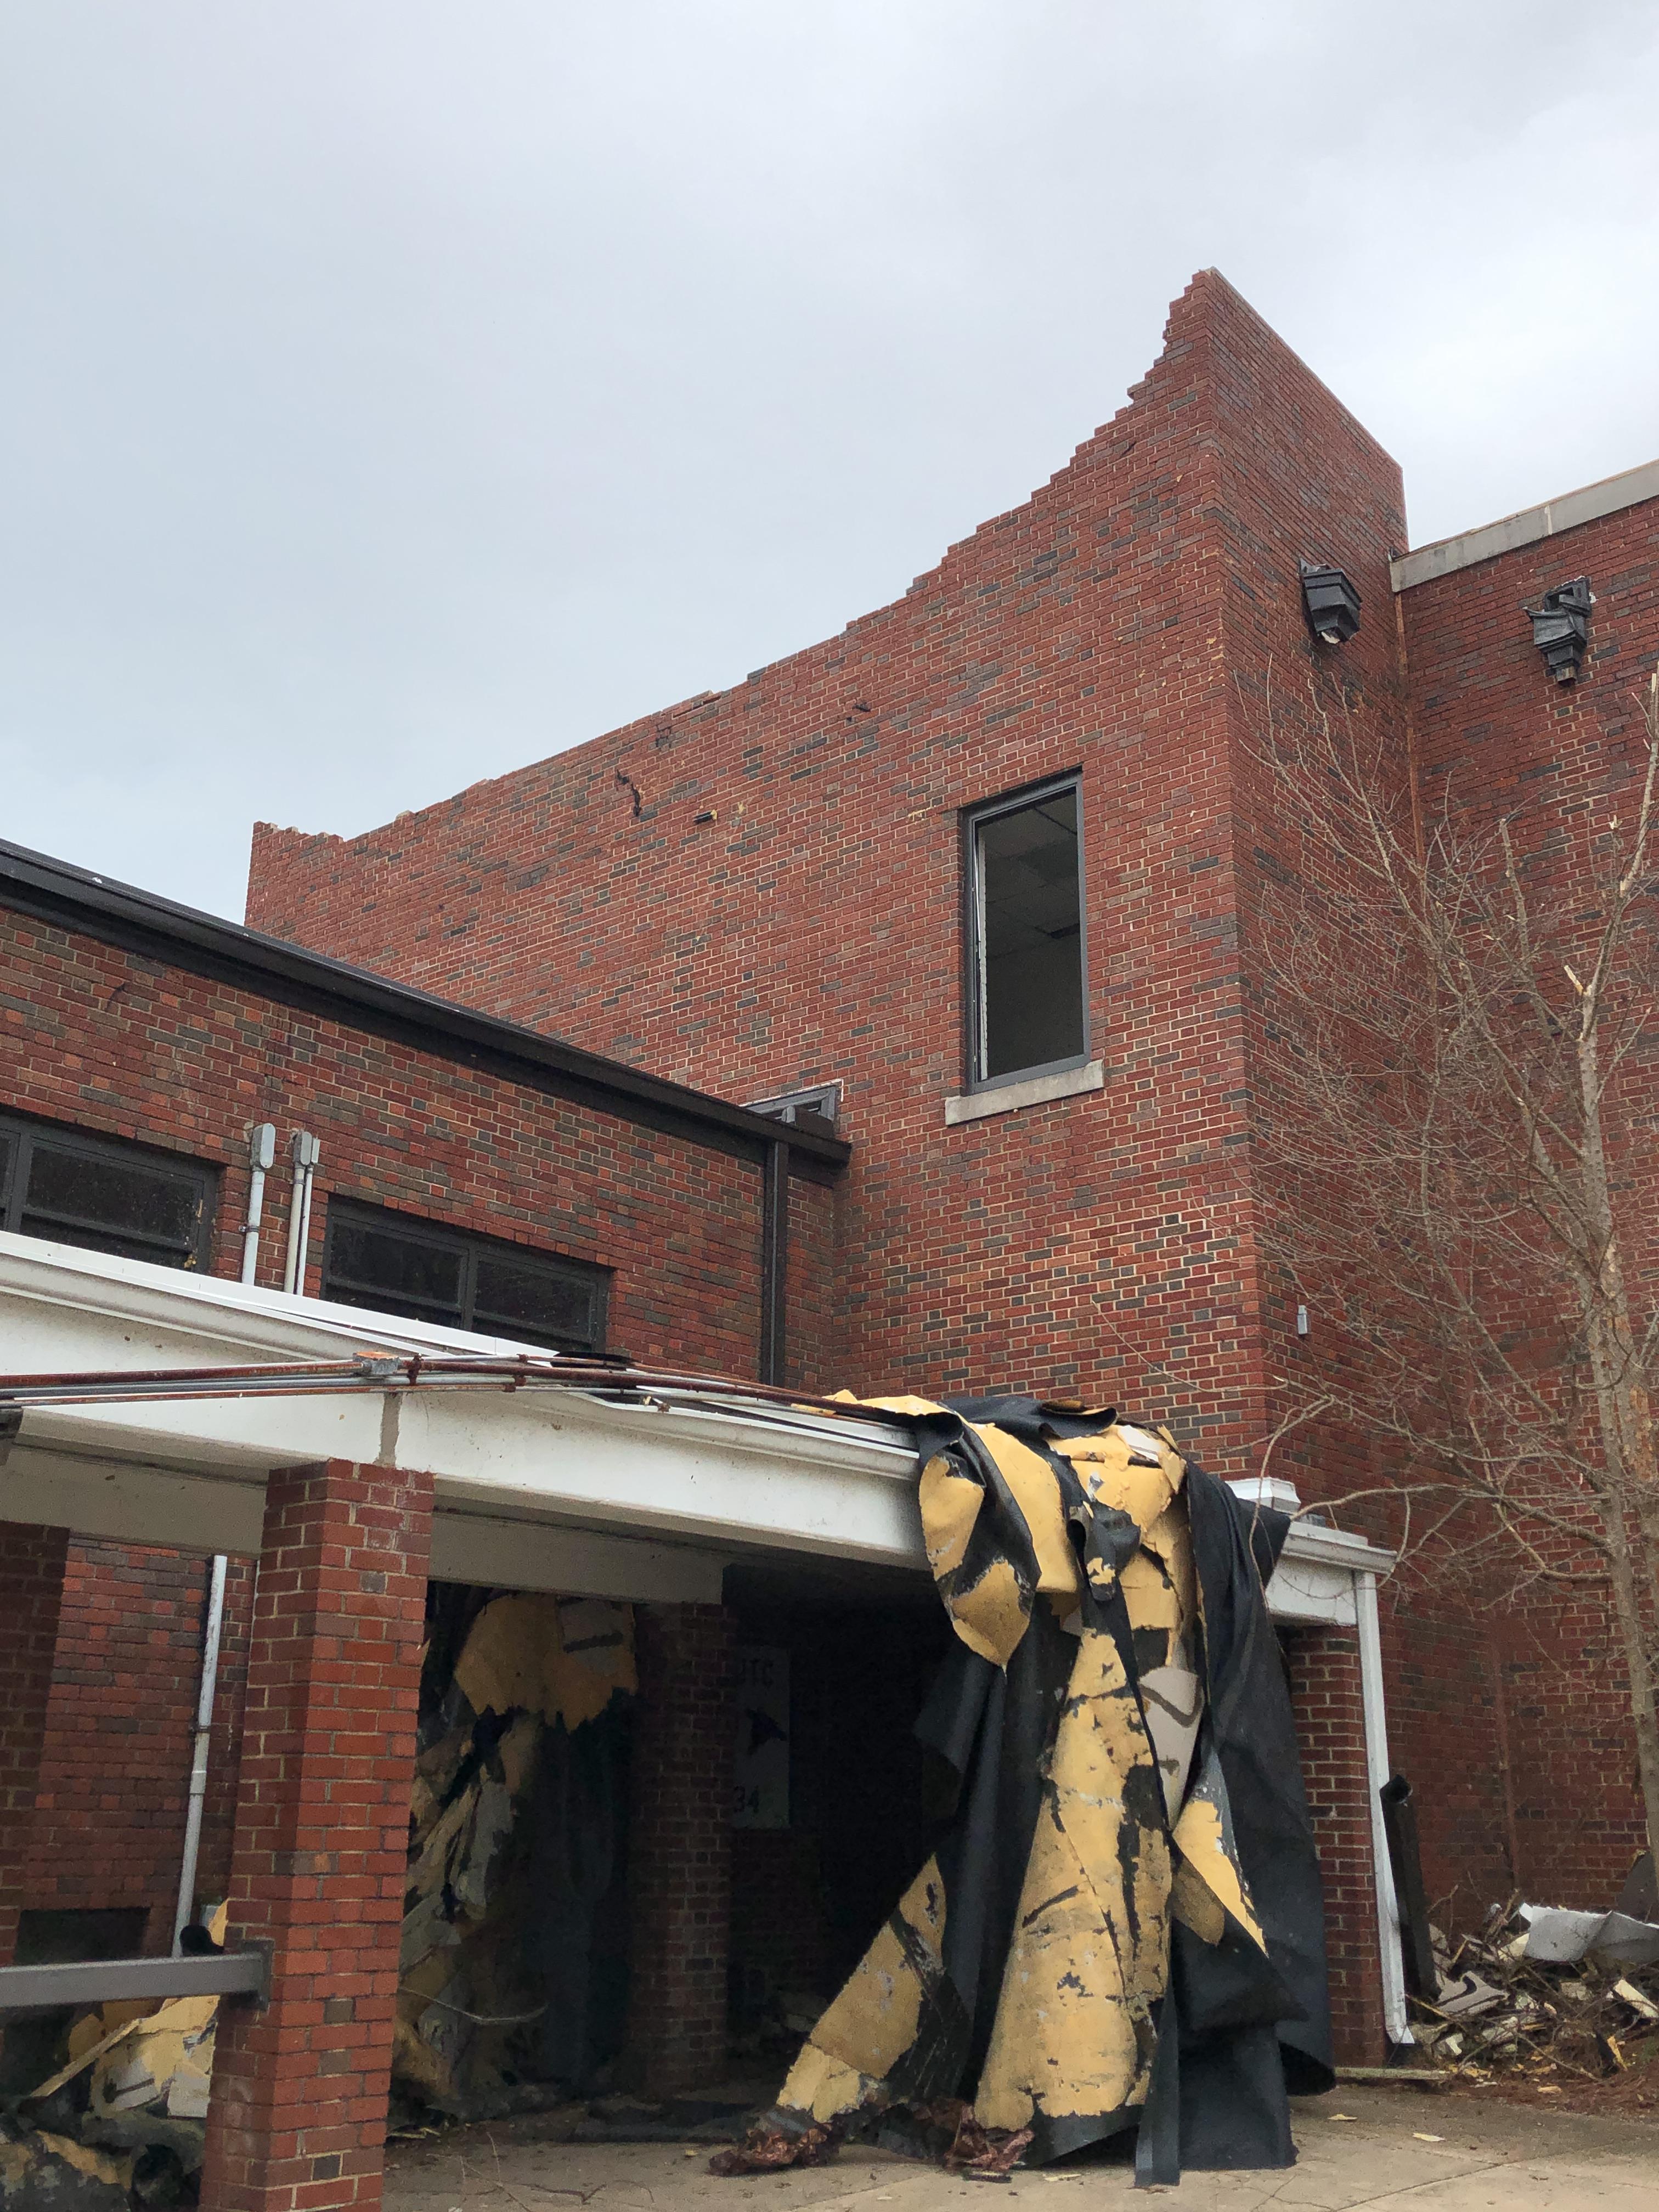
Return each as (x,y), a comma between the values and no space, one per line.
(1036,1090)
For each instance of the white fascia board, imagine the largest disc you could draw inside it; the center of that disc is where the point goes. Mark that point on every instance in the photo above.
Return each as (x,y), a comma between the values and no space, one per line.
(1314,1582)
(1316,1544)
(496,1553)
(122,1502)
(126,1500)
(707,1473)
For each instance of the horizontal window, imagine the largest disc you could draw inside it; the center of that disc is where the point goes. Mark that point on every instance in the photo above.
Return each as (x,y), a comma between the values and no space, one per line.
(104,1193)
(1026,996)
(392,1263)
(818,1108)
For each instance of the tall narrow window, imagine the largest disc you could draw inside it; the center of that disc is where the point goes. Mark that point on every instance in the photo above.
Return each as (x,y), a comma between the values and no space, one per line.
(1026,975)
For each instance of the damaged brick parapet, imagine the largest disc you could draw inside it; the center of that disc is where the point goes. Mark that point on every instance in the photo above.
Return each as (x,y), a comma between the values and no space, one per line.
(31,1562)
(1330,1729)
(680,1858)
(300,2085)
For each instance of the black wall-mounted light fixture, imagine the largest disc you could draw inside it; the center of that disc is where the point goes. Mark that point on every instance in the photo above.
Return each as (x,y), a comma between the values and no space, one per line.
(1560,627)
(1331,602)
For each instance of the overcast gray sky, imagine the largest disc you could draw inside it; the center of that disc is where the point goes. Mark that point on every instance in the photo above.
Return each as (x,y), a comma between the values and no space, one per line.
(391,393)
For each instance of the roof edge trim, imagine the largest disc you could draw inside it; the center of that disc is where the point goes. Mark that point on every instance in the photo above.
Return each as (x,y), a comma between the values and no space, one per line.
(112,912)
(1589,504)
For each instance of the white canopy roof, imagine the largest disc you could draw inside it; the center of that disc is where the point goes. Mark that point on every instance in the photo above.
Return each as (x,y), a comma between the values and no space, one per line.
(562,1488)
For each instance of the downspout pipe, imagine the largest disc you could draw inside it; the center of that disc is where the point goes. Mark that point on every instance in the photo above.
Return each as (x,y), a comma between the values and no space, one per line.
(775,1260)
(199,1762)
(261,1152)
(305,1151)
(1396,2021)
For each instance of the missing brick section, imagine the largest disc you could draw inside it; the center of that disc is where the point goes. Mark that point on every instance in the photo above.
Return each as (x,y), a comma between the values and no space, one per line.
(628,784)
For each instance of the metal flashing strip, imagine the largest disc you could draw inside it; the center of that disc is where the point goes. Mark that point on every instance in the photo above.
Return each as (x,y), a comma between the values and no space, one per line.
(1589,504)
(108,1981)
(119,914)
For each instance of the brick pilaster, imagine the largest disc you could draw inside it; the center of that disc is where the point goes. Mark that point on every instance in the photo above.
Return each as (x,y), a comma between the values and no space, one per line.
(1330,1727)
(680,1850)
(297,2122)
(31,1562)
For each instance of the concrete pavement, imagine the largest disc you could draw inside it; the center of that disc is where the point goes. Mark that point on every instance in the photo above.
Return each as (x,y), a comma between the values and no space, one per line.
(1404,2150)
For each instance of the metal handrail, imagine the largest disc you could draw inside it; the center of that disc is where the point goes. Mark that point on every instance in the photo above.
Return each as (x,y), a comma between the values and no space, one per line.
(104,1981)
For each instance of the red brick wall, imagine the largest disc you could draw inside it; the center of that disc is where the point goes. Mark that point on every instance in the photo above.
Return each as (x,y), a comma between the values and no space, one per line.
(1135,620)
(109,1041)
(1324,1668)
(811,932)
(108,1828)
(106,1041)
(31,1562)
(1139,618)
(680,1867)
(1448,1737)
(110,1809)
(1497,738)
(1577,1807)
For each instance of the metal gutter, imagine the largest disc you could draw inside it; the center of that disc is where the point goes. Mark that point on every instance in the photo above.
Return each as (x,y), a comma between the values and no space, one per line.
(119,914)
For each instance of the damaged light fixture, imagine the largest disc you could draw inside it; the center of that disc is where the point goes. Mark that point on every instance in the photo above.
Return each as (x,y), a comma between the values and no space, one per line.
(1331,602)
(1560,627)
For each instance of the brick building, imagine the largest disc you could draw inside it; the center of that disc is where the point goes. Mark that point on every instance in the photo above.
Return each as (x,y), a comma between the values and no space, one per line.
(472,1176)
(964,901)
(768,890)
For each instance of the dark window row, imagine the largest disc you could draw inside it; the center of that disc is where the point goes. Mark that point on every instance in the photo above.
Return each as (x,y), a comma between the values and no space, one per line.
(397,1265)
(113,1196)
(106,1195)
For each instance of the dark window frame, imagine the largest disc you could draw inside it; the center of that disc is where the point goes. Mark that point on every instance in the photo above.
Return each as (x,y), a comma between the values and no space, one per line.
(821,1102)
(469,1246)
(973,820)
(25,1131)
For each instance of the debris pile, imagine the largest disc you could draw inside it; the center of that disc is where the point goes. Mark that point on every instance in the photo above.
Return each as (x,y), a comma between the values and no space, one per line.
(122,2120)
(512,1970)
(1545,1998)
(1113,1733)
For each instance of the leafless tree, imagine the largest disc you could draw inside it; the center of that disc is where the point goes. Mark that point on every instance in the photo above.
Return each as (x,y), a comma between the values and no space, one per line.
(1457,1166)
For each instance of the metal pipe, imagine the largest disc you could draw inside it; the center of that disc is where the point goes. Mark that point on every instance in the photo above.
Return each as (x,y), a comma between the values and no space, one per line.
(1396,2023)
(775,1261)
(305,1150)
(104,1981)
(261,1152)
(407,1371)
(296,1192)
(305,1218)
(199,1762)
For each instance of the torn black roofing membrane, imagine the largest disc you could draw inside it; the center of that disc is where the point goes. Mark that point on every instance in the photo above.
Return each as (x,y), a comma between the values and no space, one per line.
(1123,1927)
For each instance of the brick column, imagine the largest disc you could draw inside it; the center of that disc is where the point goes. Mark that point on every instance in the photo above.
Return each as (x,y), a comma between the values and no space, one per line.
(297,2120)
(679,1867)
(31,1562)
(1330,1729)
